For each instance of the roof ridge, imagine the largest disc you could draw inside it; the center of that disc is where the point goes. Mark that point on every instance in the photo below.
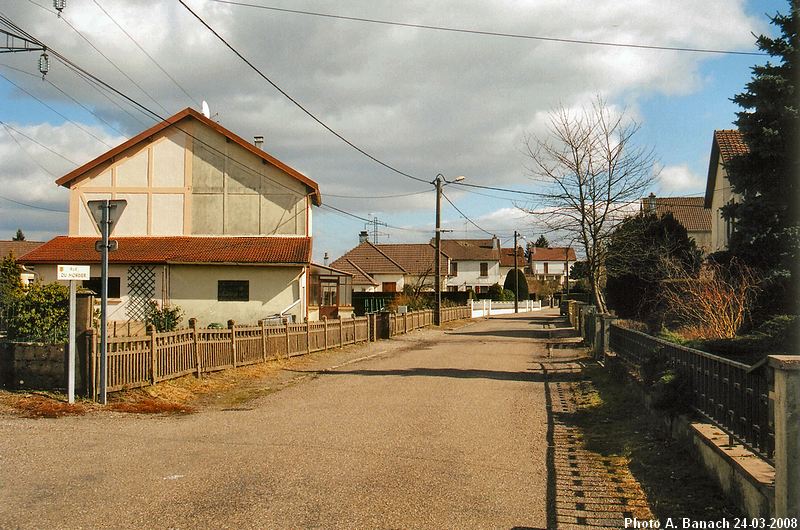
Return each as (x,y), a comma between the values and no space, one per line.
(173,120)
(385,256)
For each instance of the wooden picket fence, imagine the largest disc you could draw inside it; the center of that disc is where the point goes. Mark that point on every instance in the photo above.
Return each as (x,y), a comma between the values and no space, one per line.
(137,361)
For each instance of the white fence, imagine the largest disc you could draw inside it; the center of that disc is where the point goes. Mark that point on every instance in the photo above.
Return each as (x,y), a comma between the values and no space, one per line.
(487,308)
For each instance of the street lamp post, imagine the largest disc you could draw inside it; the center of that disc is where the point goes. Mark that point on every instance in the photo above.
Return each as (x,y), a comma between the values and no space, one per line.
(516,272)
(439,182)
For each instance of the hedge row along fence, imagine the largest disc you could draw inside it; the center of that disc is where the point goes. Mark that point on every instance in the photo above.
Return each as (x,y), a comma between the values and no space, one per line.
(139,361)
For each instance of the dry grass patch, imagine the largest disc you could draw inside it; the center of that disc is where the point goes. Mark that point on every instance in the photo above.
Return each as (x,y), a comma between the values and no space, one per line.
(43,406)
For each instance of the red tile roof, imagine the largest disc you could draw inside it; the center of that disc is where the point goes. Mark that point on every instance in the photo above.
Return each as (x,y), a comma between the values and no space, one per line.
(553,253)
(471,249)
(507,257)
(415,258)
(272,250)
(726,145)
(688,211)
(18,248)
(370,259)
(190,113)
(731,144)
(359,276)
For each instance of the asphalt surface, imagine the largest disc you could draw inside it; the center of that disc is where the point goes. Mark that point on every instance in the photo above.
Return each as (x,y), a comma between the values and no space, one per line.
(435,430)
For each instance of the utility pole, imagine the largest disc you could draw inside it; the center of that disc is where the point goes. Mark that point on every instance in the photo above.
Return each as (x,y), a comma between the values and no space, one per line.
(516,273)
(440,181)
(438,236)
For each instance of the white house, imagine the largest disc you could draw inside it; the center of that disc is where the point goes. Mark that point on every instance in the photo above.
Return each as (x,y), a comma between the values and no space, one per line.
(726,145)
(213,224)
(390,267)
(551,263)
(474,263)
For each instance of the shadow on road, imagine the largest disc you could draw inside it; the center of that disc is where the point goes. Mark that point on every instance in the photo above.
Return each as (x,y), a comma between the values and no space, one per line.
(557,333)
(532,375)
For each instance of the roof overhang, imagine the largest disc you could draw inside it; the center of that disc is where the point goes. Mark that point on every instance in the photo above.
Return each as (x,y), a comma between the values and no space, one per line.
(190,113)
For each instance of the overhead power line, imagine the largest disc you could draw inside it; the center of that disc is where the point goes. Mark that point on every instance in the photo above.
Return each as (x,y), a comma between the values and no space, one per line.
(296,102)
(175,82)
(34,140)
(108,59)
(487,33)
(465,215)
(33,205)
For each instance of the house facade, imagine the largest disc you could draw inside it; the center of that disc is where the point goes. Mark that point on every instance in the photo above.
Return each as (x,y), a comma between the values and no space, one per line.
(212,224)
(16,249)
(507,260)
(550,263)
(726,145)
(689,212)
(390,267)
(474,264)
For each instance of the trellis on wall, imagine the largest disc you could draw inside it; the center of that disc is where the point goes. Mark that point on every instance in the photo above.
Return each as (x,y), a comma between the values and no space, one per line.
(141,289)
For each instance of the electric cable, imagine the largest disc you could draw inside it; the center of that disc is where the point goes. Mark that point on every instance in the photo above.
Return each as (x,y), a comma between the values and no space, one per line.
(296,102)
(490,33)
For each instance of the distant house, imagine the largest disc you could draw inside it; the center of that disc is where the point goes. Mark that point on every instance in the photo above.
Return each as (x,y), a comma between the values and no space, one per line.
(507,261)
(18,249)
(726,145)
(213,224)
(550,263)
(688,211)
(390,267)
(474,263)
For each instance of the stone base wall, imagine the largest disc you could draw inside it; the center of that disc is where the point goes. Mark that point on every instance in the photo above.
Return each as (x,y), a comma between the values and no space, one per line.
(33,366)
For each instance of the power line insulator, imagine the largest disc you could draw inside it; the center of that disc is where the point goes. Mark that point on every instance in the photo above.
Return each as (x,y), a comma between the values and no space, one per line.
(44,64)
(59,5)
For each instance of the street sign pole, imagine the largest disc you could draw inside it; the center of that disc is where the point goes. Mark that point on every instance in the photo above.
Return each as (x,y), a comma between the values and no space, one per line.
(71,358)
(72,273)
(106,213)
(104,223)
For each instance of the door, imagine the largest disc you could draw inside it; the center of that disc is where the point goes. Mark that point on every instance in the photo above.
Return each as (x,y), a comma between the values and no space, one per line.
(389,287)
(329,299)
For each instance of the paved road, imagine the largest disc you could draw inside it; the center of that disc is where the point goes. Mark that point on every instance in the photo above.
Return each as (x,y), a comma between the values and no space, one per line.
(443,430)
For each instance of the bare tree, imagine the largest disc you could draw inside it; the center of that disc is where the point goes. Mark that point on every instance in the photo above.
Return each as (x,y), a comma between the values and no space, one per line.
(592,176)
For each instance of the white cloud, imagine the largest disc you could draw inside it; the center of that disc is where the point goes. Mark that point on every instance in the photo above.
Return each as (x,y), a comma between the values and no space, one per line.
(424,101)
(679,179)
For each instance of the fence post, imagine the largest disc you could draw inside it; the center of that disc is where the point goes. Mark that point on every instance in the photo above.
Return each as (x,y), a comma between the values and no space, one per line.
(151,330)
(354,328)
(308,336)
(232,327)
(325,321)
(288,339)
(787,435)
(193,325)
(405,321)
(605,321)
(263,340)
(373,319)
(91,384)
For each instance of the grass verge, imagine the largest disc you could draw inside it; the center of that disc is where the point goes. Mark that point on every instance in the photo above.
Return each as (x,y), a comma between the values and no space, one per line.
(616,424)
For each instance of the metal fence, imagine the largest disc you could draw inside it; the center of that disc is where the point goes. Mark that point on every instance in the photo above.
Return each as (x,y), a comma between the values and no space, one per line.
(732,395)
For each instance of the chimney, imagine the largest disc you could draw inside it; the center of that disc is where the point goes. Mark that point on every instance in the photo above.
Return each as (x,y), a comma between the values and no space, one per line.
(325,259)
(651,203)
(258,141)
(363,237)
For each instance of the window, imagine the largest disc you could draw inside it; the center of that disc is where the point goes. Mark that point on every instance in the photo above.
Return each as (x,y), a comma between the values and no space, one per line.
(94,284)
(453,268)
(545,267)
(233,291)
(330,293)
(484,269)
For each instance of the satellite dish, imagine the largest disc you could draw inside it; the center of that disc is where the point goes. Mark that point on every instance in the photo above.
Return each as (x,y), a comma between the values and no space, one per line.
(206,110)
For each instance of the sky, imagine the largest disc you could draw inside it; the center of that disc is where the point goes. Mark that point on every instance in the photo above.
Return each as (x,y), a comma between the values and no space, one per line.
(422,101)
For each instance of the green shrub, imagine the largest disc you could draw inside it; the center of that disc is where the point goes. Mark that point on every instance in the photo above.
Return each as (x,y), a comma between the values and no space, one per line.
(39,313)
(653,367)
(672,393)
(617,370)
(164,318)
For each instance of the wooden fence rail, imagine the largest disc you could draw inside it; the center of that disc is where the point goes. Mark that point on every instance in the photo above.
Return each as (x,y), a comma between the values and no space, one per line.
(138,361)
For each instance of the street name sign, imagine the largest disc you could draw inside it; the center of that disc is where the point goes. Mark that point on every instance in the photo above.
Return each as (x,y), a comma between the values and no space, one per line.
(73,272)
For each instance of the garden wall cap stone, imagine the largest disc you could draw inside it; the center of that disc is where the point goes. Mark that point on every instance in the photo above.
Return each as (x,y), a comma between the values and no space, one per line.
(785,362)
